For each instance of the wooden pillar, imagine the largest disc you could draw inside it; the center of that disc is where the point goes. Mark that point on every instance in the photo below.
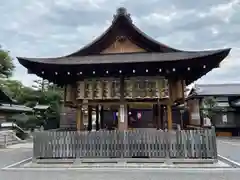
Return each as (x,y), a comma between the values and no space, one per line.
(97,118)
(127,115)
(183,83)
(161,115)
(65,94)
(89,118)
(79,118)
(173,96)
(102,117)
(201,112)
(169,116)
(155,115)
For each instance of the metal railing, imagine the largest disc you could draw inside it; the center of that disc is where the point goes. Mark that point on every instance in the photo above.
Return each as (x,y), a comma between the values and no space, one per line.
(191,144)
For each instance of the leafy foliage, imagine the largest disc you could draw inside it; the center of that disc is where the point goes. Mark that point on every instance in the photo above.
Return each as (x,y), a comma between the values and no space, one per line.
(6,64)
(42,92)
(209,103)
(209,107)
(31,96)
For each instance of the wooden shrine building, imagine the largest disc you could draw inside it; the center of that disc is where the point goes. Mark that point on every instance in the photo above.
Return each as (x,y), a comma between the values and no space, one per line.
(125,76)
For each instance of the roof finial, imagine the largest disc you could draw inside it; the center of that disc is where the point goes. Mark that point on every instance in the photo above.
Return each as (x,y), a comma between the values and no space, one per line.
(122,11)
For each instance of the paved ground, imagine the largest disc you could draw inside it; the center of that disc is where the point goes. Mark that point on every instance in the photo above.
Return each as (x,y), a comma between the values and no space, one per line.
(120,175)
(228,148)
(13,155)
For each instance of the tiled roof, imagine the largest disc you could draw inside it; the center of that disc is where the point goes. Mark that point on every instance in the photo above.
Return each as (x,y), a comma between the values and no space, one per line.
(127,57)
(216,89)
(41,107)
(20,108)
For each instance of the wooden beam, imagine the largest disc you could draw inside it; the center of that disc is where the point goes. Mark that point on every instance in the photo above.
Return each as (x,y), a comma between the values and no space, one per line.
(122,89)
(101,117)
(89,118)
(117,102)
(161,117)
(169,115)
(79,119)
(97,118)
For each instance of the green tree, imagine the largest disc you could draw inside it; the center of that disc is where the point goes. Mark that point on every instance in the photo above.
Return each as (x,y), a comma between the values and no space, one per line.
(209,107)
(22,94)
(12,87)
(52,96)
(6,64)
(49,95)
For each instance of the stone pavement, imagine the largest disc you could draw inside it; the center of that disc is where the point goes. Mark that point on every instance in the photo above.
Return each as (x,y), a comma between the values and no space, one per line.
(27,145)
(12,155)
(120,175)
(17,153)
(229,148)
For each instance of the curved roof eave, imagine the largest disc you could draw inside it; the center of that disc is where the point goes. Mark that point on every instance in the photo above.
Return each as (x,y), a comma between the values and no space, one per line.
(125,58)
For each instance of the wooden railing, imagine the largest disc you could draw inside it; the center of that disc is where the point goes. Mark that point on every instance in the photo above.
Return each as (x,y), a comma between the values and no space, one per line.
(196,144)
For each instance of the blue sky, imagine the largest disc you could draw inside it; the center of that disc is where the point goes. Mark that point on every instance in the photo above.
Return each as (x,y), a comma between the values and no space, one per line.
(49,28)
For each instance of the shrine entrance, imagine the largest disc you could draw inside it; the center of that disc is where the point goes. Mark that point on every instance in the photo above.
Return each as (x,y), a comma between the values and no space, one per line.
(110,120)
(138,116)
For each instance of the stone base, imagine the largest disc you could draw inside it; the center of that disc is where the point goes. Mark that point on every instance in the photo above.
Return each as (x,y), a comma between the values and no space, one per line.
(118,164)
(125,161)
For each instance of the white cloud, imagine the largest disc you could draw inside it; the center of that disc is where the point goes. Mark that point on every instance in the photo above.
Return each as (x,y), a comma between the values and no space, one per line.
(51,28)
(214,31)
(223,11)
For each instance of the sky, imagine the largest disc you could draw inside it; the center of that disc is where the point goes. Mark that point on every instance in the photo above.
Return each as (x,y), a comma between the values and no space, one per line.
(50,28)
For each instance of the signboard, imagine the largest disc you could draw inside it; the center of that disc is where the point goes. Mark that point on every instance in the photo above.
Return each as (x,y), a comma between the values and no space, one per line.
(122,113)
(224,118)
